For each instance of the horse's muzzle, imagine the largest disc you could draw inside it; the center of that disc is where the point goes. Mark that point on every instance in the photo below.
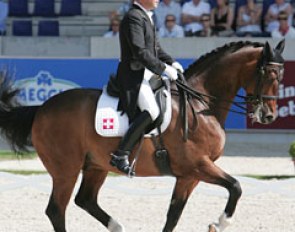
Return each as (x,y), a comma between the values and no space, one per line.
(263,114)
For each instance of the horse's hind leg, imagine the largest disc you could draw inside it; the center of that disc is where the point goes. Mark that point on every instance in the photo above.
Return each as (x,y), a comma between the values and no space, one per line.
(61,193)
(182,190)
(210,173)
(87,199)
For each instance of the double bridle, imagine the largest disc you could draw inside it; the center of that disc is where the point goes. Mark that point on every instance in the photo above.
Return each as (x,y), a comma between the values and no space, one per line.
(262,71)
(256,98)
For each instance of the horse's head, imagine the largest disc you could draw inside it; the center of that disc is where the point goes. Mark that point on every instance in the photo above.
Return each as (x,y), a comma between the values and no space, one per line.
(263,94)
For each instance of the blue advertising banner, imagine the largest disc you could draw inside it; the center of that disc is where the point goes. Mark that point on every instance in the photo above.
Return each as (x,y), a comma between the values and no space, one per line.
(40,79)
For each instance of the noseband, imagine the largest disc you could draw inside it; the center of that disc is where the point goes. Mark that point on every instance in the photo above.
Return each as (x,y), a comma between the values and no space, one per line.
(261,77)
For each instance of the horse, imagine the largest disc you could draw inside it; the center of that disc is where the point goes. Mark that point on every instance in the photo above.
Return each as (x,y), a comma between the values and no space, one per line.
(62,132)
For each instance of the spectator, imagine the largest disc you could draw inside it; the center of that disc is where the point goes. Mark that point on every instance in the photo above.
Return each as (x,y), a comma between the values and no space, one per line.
(167,7)
(123,9)
(114,28)
(292,2)
(249,19)
(183,1)
(171,29)
(191,15)
(222,17)
(207,29)
(284,30)
(271,18)
(3,17)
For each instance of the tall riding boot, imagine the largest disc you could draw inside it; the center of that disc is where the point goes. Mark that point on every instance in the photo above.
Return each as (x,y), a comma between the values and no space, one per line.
(129,140)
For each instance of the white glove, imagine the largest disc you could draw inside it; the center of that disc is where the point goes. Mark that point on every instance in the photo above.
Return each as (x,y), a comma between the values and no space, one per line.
(177,66)
(171,72)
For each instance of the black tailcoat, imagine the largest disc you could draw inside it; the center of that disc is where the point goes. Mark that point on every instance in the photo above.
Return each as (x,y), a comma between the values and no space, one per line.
(140,49)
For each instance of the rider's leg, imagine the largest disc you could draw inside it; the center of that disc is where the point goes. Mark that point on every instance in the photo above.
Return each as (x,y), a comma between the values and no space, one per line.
(150,111)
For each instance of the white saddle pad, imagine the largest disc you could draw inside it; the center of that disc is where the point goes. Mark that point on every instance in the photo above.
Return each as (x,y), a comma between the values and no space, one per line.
(111,123)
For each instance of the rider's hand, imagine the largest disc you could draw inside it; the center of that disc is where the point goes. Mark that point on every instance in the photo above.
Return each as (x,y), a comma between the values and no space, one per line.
(177,66)
(171,72)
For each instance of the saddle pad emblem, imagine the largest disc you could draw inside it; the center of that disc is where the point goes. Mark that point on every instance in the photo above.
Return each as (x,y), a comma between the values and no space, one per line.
(108,123)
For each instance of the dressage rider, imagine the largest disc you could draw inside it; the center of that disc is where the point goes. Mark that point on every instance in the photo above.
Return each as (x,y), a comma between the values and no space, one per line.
(140,51)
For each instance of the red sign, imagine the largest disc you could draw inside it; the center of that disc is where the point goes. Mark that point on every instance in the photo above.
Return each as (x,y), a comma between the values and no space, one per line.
(286,102)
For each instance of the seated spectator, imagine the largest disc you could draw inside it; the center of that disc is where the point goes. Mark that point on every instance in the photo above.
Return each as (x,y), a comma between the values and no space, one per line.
(249,19)
(3,17)
(292,2)
(271,18)
(284,30)
(207,29)
(191,16)
(183,1)
(124,8)
(167,7)
(222,17)
(171,29)
(114,28)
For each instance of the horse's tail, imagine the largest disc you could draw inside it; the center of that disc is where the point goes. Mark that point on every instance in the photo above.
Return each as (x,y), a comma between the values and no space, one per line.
(15,121)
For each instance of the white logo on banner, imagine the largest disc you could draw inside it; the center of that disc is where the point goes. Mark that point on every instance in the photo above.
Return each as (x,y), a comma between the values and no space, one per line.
(38,89)
(286,110)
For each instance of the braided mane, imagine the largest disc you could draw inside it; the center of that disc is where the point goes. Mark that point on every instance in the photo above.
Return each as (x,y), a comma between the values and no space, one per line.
(209,59)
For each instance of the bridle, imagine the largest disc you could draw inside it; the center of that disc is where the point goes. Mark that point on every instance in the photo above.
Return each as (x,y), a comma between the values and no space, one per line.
(256,98)
(261,78)
(263,69)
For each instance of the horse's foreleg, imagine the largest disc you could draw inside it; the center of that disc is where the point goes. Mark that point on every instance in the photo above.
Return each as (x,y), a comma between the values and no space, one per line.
(59,199)
(87,199)
(181,193)
(210,173)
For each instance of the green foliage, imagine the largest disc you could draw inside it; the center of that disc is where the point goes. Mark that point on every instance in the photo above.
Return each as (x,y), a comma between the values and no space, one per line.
(9,155)
(292,149)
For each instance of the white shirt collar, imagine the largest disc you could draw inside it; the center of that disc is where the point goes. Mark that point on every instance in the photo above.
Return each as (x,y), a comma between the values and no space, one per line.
(148,12)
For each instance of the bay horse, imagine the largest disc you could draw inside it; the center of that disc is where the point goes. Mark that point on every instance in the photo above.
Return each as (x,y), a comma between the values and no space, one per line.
(63,135)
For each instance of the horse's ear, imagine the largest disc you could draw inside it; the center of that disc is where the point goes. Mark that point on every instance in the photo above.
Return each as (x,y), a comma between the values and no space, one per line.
(280,47)
(267,51)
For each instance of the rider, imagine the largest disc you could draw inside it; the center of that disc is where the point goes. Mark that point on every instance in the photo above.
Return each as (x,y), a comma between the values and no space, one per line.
(140,50)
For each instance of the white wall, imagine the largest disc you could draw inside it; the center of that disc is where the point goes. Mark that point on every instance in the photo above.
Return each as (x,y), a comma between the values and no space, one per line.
(99,47)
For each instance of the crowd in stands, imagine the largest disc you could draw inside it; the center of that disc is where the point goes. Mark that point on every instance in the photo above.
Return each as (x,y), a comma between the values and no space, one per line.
(207,18)
(175,18)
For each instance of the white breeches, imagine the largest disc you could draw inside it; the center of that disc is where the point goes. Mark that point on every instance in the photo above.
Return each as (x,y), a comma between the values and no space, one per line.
(147,101)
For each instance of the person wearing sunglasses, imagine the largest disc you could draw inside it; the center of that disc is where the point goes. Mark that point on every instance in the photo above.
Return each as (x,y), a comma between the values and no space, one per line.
(171,29)
(271,17)
(284,30)
(207,30)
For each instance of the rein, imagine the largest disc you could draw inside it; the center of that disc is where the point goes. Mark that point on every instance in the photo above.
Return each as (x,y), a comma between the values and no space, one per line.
(194,94)
(187,93)
(254,99)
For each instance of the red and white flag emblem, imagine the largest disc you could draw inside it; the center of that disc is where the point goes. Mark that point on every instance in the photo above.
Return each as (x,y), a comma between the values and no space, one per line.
(108,123)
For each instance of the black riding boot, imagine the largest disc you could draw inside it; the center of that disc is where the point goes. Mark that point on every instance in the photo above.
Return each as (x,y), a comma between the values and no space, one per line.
(129,140)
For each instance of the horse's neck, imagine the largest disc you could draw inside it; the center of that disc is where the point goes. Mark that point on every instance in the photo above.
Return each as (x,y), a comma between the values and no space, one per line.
(222,85)
(225,92)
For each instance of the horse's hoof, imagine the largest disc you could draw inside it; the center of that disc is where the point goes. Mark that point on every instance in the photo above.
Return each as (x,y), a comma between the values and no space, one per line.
(213,228)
